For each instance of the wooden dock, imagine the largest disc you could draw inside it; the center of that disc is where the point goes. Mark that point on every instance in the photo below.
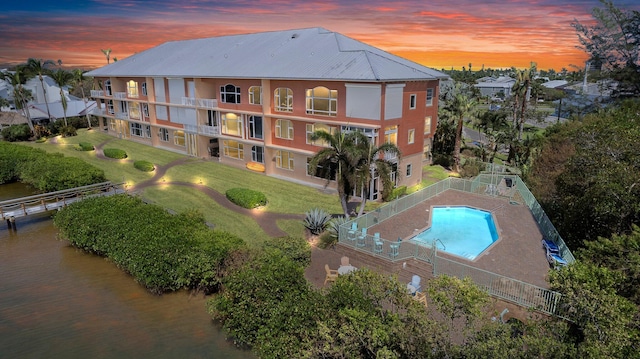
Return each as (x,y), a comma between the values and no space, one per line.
(25,206)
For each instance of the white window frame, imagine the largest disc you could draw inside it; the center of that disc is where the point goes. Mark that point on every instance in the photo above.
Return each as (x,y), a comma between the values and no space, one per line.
(409,170)
(389,133)
(255,95)
(427,125)
(134,111)
(135,129)
(112,124)
(316,99)
(145,109)
(227,121)
(288,129)
(110,108)
(283,102)
(147,131)
(411,136)
(144,88)
(254,154)
(107,88)
(313,127)
(252,127)
(179,138)
(430,92)
(132,89)
(280,161)
(412,101)
(163,134)
(230,93)
(227,147)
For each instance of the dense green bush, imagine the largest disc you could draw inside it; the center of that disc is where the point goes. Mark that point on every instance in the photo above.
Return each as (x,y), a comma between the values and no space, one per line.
(46,172)
(333,230)
(85,146)
(68,131)
(472,167)
(16,133)
(163,252)
(246,198)
(445,161)
(115,153)
(144,166)
(297,249)
(316,220)
(396,193)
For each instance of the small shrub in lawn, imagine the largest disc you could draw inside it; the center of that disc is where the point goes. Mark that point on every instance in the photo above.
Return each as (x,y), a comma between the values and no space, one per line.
(68,131)
(246,198)
(144,166)
(85,146)
(316,220)
(115,153)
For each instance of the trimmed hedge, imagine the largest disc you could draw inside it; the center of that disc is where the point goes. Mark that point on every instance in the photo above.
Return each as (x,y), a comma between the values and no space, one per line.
(144,166)
(14,133)
(85,146)
(163,252)
(115,153)
(246,198)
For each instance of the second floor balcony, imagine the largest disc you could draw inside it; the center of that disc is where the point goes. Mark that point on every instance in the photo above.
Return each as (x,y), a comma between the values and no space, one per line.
(120,95)
(122,115)
(97,93)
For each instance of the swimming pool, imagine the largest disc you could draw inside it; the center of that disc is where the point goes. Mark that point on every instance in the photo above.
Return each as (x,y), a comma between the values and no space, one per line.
(463,231)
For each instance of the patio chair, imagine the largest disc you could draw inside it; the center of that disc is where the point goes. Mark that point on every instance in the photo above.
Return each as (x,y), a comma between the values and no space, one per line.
(550,246)
(377,243)
(414,285)
(555,260)
(421,298)
(361,238)
(351,233)
(332,274)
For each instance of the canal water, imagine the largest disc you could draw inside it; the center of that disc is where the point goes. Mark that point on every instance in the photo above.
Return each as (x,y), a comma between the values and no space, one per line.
(58,302)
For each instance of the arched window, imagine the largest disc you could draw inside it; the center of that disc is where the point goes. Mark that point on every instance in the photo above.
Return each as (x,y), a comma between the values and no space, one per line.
(283,99)
(230,94)
(255,95)
(322,101)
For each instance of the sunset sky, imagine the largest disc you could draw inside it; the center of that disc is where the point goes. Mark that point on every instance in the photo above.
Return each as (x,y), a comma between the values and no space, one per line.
(435,33)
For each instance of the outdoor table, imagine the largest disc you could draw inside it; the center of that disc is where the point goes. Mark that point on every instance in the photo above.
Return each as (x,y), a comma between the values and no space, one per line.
(346,269)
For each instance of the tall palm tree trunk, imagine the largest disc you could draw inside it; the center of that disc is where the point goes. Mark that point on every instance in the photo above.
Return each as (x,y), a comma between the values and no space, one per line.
(46,100)
(458,144)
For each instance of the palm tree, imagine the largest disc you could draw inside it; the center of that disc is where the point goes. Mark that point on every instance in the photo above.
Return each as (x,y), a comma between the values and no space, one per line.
(339,162)
(460,106)
(21,95)
(522,91)
(39,67)
(372,161)
(106,53)
(62,78)
(79,80)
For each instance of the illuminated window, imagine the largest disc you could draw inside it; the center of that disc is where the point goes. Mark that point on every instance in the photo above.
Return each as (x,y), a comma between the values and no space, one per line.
(257,154)
(255,127)
(391,135)
(135,129)
(311,128)
(284,159)
(429,97)
(233,149)
(283,99)
(255,95)
(412,101)
(112,125)
(163,133)
(230,94)
(134,111)
(427,125)
(412,136)
(284,129)
(231,124)
(322,101)
(132,89)
(178,138)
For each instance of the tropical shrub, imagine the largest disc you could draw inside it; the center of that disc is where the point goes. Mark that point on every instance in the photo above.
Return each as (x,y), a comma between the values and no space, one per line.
(246,198)
(68,131)
(297,249)
(115,153)
(163,252)
(144,166)
(316,220)
(85,146)
(16,133)
(396,193)
(472,167)
(333,230)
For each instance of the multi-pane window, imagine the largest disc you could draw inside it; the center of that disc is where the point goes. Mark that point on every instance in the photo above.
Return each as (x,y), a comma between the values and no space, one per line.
(178,138)
(134,111)
(136,129)
(163,133)
(124,107)
(112,125)
(255,127)
(257,154)
(233,149)
(231,124)
(284,159)
(412,101)
(429,97)
(110,107)
(211,118)
(328,172)
(255,95)
(409,170)
(145,109)
(147,131)
(284,129)
(311,128)
(144,88)
(132,89)
(427,125)
(107,87)
(283,99)
(412,136)
(391,135)
(322,101)
(230,94)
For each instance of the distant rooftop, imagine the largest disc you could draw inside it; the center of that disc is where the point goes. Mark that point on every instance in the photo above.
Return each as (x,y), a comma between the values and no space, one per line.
(313,53)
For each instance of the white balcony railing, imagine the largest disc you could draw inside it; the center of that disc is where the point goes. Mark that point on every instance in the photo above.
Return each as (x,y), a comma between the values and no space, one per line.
(120,95)
(388,156)
(207,103)
(97,93)
(122,115)
(208,130)
(191,128)
(189,101)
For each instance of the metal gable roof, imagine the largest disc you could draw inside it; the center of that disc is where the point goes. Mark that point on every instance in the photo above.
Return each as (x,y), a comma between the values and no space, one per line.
(313,53)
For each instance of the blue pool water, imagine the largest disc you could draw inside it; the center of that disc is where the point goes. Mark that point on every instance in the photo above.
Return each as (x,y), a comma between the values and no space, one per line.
(462,231)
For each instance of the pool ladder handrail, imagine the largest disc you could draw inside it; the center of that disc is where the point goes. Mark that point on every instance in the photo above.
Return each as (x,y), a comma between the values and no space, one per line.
(444,248)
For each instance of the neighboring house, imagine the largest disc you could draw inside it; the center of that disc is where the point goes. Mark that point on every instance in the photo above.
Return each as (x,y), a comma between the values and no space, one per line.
(53,91)
(75,107)
(254,100)
(495,86)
